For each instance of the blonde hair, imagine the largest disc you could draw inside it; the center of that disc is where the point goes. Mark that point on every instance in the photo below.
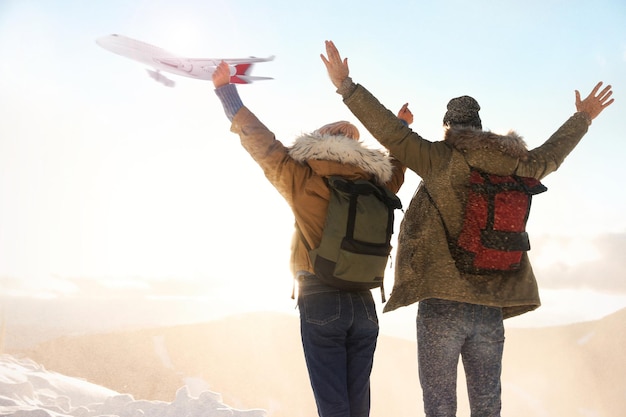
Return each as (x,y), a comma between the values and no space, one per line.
(340,128)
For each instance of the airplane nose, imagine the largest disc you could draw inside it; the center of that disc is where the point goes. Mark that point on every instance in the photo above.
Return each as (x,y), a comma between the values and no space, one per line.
(103,41)
(109,41)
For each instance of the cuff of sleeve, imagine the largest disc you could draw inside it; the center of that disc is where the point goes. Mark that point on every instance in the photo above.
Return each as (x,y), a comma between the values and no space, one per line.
(585,116)
(347,87)
(230,99)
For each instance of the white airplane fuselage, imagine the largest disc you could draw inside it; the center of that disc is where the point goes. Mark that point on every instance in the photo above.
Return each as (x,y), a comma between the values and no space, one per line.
(155,57)
(160,59)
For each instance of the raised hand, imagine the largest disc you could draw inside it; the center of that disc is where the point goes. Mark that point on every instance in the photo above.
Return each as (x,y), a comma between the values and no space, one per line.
(405,114)
(595,103)
(337,68)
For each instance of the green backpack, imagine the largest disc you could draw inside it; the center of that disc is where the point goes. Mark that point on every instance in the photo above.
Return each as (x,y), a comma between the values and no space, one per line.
(355,244)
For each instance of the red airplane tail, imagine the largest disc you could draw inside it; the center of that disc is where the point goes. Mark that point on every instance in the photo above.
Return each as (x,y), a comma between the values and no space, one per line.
(241,73)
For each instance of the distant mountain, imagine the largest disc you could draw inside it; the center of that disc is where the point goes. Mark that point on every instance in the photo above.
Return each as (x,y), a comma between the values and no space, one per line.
(256,361)
(573,370)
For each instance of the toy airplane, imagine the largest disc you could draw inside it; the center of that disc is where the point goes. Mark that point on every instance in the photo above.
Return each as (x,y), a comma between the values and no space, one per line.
(161,60)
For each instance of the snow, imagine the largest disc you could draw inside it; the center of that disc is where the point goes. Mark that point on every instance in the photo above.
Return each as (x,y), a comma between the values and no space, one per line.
(27,389)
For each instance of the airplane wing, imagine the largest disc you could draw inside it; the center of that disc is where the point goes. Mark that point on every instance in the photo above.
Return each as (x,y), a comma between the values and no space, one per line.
(203,68)
(239,68)
(214,62)
(158,77)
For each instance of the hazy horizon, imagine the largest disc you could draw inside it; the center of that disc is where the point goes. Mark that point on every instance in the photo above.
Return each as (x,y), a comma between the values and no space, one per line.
(255,360)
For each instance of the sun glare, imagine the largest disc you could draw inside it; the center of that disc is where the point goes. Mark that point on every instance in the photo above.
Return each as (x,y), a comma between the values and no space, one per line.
(181,38)
(570,252)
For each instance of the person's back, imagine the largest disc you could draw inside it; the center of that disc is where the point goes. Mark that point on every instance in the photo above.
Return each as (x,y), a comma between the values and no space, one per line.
(339,328)
(460,314)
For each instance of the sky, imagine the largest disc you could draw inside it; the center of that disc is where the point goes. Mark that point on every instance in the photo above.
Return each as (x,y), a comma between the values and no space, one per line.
(112,185)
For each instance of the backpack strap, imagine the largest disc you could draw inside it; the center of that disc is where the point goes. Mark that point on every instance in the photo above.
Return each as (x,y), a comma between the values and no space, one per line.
(365,188)
(351,217)
(432,201)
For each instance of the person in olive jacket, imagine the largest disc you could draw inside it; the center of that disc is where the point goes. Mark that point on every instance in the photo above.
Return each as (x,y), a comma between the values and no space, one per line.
(459,314)
(339,328)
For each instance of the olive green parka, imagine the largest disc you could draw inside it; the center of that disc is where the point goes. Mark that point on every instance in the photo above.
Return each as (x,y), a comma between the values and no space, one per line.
(424,266)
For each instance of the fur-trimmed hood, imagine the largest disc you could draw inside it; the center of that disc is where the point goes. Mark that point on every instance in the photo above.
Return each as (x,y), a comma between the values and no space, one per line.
(343,150)
(468,139)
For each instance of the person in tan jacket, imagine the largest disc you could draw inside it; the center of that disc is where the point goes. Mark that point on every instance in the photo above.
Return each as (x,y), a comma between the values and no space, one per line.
(459,314)
(339,328)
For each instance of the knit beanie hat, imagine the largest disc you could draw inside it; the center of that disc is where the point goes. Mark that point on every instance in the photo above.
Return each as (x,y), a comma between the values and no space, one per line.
(342,128)
(463,111)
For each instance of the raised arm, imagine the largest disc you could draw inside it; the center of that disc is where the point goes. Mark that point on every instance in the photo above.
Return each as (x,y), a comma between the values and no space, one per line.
(549,156)
(595,103)
(226,92)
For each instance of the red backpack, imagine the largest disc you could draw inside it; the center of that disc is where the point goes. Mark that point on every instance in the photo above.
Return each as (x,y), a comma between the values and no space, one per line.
(493,237)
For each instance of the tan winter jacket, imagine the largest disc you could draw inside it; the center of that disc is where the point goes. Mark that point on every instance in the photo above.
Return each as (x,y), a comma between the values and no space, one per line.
(297,173)
(424,266)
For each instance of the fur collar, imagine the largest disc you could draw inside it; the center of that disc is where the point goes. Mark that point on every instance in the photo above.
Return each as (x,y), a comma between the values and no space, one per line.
(344,150)
(468,139)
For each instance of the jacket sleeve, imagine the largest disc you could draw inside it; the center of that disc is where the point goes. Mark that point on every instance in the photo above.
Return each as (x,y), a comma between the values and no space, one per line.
(398,175)
(271,155)
(418,154)
(548,157)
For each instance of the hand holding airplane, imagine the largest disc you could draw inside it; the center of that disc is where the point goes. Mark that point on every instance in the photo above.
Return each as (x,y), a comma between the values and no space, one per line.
(221,75)
(161,60)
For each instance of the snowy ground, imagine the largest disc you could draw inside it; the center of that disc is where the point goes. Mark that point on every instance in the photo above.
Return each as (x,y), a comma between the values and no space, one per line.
(27,389)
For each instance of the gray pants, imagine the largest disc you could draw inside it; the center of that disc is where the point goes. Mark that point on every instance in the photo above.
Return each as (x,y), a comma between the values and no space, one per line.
(447,330)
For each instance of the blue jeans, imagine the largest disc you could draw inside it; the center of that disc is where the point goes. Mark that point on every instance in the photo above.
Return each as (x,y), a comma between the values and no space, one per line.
(447,330)
(339,331)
